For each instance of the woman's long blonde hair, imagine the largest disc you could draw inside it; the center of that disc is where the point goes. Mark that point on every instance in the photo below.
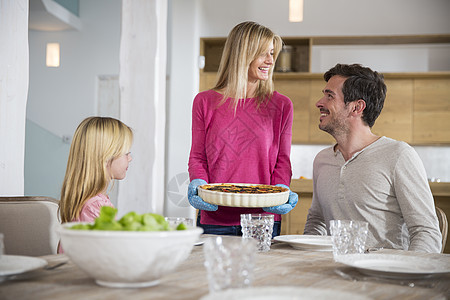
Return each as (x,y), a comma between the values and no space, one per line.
(96,142)
(244,44)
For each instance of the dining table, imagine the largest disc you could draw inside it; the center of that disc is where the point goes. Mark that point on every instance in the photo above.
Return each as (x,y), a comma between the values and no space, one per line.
(283,266)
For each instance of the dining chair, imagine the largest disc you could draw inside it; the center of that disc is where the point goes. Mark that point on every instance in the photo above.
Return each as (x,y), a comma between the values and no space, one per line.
(443,225)
(29,225)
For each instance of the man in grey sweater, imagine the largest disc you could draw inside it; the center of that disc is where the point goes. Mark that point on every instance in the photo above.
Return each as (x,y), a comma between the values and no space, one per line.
(367,177)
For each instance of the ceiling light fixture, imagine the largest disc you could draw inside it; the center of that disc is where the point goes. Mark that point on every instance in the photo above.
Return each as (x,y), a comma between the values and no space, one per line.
(295,10)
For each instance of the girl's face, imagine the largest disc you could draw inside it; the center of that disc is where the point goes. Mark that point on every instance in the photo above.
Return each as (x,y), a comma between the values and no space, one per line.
(259,68)
(118,167)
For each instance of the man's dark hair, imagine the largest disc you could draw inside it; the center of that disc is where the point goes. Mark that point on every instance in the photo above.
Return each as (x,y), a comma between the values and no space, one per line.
(361,83)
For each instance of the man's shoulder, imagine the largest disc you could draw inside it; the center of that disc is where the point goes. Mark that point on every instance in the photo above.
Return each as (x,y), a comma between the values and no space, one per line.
(326,152)
(391,144)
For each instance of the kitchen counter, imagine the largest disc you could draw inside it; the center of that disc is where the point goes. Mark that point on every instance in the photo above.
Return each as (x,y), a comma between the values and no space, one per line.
(440,188)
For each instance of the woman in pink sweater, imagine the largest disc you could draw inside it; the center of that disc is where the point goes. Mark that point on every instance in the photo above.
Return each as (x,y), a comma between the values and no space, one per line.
(241,129)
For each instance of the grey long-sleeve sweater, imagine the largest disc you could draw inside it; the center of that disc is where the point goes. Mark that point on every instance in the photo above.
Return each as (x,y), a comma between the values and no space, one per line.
(384,184)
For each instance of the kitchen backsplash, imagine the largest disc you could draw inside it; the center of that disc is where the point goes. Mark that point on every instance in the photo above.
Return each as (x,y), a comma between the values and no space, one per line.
(436,160)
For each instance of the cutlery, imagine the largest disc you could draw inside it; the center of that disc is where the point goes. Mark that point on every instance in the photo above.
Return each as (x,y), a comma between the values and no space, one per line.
(52,267)
(373,249)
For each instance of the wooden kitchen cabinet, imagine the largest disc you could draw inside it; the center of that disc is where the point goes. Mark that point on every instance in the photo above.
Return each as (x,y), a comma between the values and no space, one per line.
(417,106)
(396,118)
(431,110)
(416,109)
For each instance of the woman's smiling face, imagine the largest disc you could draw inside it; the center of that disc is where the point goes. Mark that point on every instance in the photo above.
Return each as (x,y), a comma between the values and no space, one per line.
(259,68)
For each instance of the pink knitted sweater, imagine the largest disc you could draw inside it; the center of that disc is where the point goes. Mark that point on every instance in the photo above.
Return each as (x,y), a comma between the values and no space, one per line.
(249,145)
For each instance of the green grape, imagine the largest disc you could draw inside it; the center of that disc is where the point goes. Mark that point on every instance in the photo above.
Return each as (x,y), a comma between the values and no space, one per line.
(131,221)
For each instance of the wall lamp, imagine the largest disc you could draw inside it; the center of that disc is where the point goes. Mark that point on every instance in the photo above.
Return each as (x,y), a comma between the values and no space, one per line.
(52,56)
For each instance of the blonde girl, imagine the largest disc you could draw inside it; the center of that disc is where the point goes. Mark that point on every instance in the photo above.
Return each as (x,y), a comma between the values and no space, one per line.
(99,153)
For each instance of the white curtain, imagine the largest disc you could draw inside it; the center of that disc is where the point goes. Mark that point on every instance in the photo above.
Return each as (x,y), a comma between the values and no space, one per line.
(142,92)
(14,66)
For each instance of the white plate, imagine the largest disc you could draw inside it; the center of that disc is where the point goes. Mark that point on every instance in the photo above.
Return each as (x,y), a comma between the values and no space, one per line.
(199,243)
(307,242)
(282,293)
(15,264)
(243,200)
(396,266)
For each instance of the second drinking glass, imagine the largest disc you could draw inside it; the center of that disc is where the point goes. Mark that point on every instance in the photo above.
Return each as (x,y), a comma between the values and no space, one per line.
(259,227)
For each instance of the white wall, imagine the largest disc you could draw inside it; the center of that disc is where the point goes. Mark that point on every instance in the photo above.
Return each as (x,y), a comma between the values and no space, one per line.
(60,98)
(384,58)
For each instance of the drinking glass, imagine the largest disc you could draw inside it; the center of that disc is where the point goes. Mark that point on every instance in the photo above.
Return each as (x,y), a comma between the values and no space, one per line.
(229,262)
(259,227)
(175,221)
(348,237)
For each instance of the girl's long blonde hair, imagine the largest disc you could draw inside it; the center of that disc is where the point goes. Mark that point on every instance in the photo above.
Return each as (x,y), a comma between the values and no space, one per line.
(97,141)
(244,44)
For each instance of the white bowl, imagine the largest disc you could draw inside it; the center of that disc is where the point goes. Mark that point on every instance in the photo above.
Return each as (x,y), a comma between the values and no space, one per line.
(242,199)
(127,258)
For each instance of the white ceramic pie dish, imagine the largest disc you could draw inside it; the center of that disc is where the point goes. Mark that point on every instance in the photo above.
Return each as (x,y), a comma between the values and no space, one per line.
(242,199)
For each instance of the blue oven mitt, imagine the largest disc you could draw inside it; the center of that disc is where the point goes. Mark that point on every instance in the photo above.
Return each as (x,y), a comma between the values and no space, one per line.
(195,200)
(284,208)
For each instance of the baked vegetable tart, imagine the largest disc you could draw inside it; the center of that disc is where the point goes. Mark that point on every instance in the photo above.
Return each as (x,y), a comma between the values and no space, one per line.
(243,194)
